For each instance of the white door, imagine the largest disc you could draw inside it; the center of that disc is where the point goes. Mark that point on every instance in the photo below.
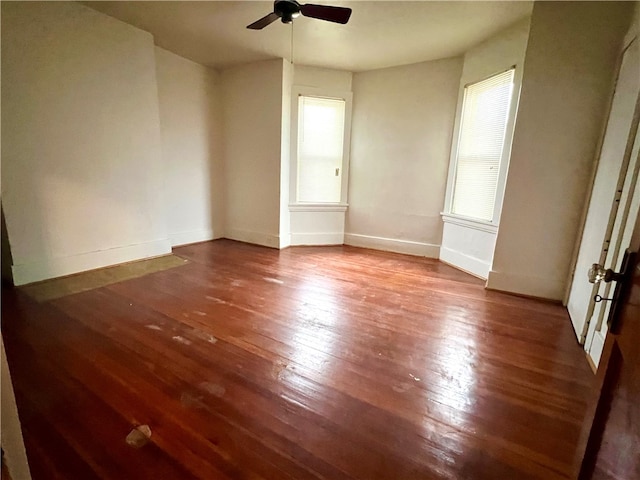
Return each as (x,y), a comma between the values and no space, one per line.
(620,240)
(607,191)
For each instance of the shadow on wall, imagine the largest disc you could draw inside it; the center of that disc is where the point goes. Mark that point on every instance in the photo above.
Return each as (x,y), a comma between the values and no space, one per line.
(216,161)
(7,260)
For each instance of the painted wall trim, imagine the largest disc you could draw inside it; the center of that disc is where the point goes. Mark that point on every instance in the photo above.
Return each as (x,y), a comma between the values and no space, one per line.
(12,440)
(597,346)
(328,238)
(469,223)
(192,236)
(392,245)
(530,285)
(284,240)
(61,266)
(318,207)
(256,238)
(466,263)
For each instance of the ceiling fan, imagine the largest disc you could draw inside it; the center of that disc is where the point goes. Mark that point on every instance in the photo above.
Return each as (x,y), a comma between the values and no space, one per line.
(287,10)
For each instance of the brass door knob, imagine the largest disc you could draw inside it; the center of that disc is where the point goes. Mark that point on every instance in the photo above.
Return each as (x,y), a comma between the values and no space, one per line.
(597,273)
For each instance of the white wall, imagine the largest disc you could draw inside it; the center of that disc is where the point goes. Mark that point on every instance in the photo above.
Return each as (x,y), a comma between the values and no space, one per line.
(81,183)
(322,78)
(568,76)
(401,137)
(252,126)
(465,244)
(191,127)
(318,224)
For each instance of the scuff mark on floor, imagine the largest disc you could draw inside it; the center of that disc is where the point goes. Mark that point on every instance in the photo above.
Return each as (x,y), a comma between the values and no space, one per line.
(214,389)
(139,436)
(402,387)
(189,400)
(273,280)
(182,340)
(199,313)
(216,300)
(153,327)
(414,377)
(207,337)
(294,401)
(278,369)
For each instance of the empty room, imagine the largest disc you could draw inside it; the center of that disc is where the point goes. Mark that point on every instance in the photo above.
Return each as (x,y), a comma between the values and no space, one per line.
(341,240)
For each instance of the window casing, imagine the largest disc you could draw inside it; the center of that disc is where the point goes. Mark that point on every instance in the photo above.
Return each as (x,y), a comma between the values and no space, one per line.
(320,149)
(320,146)
(479,164)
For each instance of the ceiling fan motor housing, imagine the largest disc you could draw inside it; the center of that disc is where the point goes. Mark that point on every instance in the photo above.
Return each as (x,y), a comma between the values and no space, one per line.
(287,10)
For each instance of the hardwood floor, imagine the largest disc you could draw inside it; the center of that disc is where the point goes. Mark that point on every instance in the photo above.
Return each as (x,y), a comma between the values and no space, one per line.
(332,362)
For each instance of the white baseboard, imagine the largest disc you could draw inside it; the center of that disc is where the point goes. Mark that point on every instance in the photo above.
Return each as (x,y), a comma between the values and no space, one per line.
(526,285)
(191,236)
(257,238)
(284,241)
(334,238)
(468,264)
(59,267)
(392,245)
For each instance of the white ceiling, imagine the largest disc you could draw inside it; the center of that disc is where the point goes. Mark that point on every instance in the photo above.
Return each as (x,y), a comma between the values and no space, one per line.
(380,34)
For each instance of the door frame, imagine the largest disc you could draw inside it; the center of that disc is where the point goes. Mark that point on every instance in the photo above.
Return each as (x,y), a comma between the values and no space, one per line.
(604,379)
(598,320)
(630,38)
(631,35)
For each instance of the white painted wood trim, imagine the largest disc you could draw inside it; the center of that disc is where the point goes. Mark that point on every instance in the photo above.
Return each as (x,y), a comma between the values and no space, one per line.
(12,440)
(256,238)
(508,139)
(284,240)
(191,236)
(597,346)
(472,265)
(61,266)
(318,207)
(330,238)
(532,286)
(347,96)
(392,245)
(469,223)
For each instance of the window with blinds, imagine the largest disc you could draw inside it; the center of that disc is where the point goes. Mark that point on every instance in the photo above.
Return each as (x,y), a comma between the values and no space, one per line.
(320,149)
(485,111)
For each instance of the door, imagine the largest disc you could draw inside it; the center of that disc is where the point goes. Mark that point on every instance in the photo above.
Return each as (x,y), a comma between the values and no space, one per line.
(613,447)
(629,205)
(600,227)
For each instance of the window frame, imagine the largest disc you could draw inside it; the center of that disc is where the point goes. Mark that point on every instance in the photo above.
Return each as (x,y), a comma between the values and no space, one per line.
(448,214)
(303,91)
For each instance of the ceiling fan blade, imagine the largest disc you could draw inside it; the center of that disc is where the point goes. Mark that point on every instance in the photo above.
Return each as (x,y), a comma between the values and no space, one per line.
(326,12)
(264,21)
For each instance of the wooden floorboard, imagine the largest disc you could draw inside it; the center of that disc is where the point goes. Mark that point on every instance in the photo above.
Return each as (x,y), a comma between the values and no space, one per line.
(311,362)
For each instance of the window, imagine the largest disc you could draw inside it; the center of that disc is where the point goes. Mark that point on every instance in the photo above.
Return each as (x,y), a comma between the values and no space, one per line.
(320,149)
(485,112)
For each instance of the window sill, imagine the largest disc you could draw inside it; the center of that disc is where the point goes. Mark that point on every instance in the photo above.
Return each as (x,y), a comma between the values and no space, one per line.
(473,223)
(318,207)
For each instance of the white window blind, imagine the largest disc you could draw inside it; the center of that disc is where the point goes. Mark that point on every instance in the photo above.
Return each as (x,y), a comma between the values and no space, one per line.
(480,144)
(320,149)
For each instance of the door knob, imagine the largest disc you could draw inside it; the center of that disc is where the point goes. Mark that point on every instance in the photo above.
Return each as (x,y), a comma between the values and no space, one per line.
(597,273)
